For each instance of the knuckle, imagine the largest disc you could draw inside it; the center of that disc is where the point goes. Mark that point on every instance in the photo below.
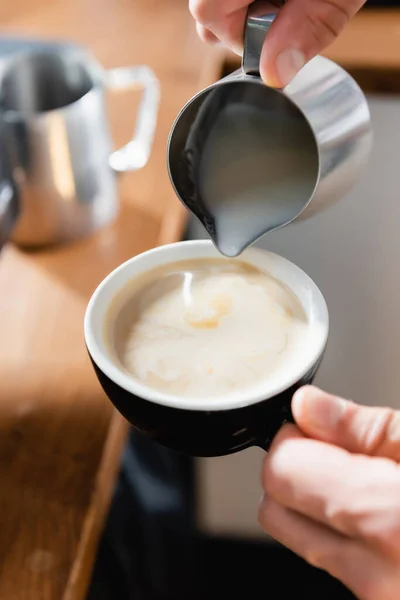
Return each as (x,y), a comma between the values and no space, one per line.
(313,558)
(329,556)
(382,436)
(205,34)
(349,518)
(344,513)
(368,514)
(200,10)
(322,560)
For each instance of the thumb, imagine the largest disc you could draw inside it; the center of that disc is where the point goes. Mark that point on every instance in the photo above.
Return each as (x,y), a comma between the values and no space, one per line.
(359,429)
(302,29)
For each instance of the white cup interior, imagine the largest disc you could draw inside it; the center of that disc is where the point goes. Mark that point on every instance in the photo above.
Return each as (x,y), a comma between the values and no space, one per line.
(289,274)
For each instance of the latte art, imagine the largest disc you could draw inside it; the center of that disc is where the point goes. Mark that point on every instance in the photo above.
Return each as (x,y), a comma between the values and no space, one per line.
(207,327)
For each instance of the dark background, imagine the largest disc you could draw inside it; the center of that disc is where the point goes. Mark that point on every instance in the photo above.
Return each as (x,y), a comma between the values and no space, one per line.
(382,3)
(151,550)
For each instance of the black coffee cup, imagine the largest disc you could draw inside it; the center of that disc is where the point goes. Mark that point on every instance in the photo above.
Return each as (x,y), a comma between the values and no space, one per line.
(206,426)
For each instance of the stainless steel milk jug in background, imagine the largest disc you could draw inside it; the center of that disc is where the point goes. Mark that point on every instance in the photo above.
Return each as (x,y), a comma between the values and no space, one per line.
(56,133)
(247,159)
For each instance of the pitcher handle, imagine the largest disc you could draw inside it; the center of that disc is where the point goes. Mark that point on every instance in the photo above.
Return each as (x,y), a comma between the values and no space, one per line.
(260,16)
(135,154)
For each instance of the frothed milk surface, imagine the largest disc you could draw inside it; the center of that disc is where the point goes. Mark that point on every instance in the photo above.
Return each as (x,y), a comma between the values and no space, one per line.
(206,327)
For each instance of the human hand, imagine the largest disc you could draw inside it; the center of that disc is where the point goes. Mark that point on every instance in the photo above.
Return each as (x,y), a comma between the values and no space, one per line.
(332,491)
(302,29)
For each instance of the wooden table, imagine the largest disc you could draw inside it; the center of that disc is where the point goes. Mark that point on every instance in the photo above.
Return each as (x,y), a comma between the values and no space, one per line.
(60,440)
(370,41)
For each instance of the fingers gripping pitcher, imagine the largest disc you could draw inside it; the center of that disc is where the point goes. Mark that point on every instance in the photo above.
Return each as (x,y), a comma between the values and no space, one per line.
(248,159)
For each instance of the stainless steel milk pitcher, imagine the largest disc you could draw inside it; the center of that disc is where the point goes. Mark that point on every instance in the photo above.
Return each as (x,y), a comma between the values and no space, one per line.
(323,109)
(56,132)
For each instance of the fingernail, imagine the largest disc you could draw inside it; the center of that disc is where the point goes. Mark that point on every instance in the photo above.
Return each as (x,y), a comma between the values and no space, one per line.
(318,410)
(288,64)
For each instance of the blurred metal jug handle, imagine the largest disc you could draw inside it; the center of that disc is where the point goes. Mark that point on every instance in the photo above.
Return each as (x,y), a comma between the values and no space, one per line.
(135,154)
(9,205)
(260,16)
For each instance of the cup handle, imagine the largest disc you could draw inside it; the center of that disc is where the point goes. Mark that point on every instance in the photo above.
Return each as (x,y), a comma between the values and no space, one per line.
(260,16)
(135,154)
(283,415)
